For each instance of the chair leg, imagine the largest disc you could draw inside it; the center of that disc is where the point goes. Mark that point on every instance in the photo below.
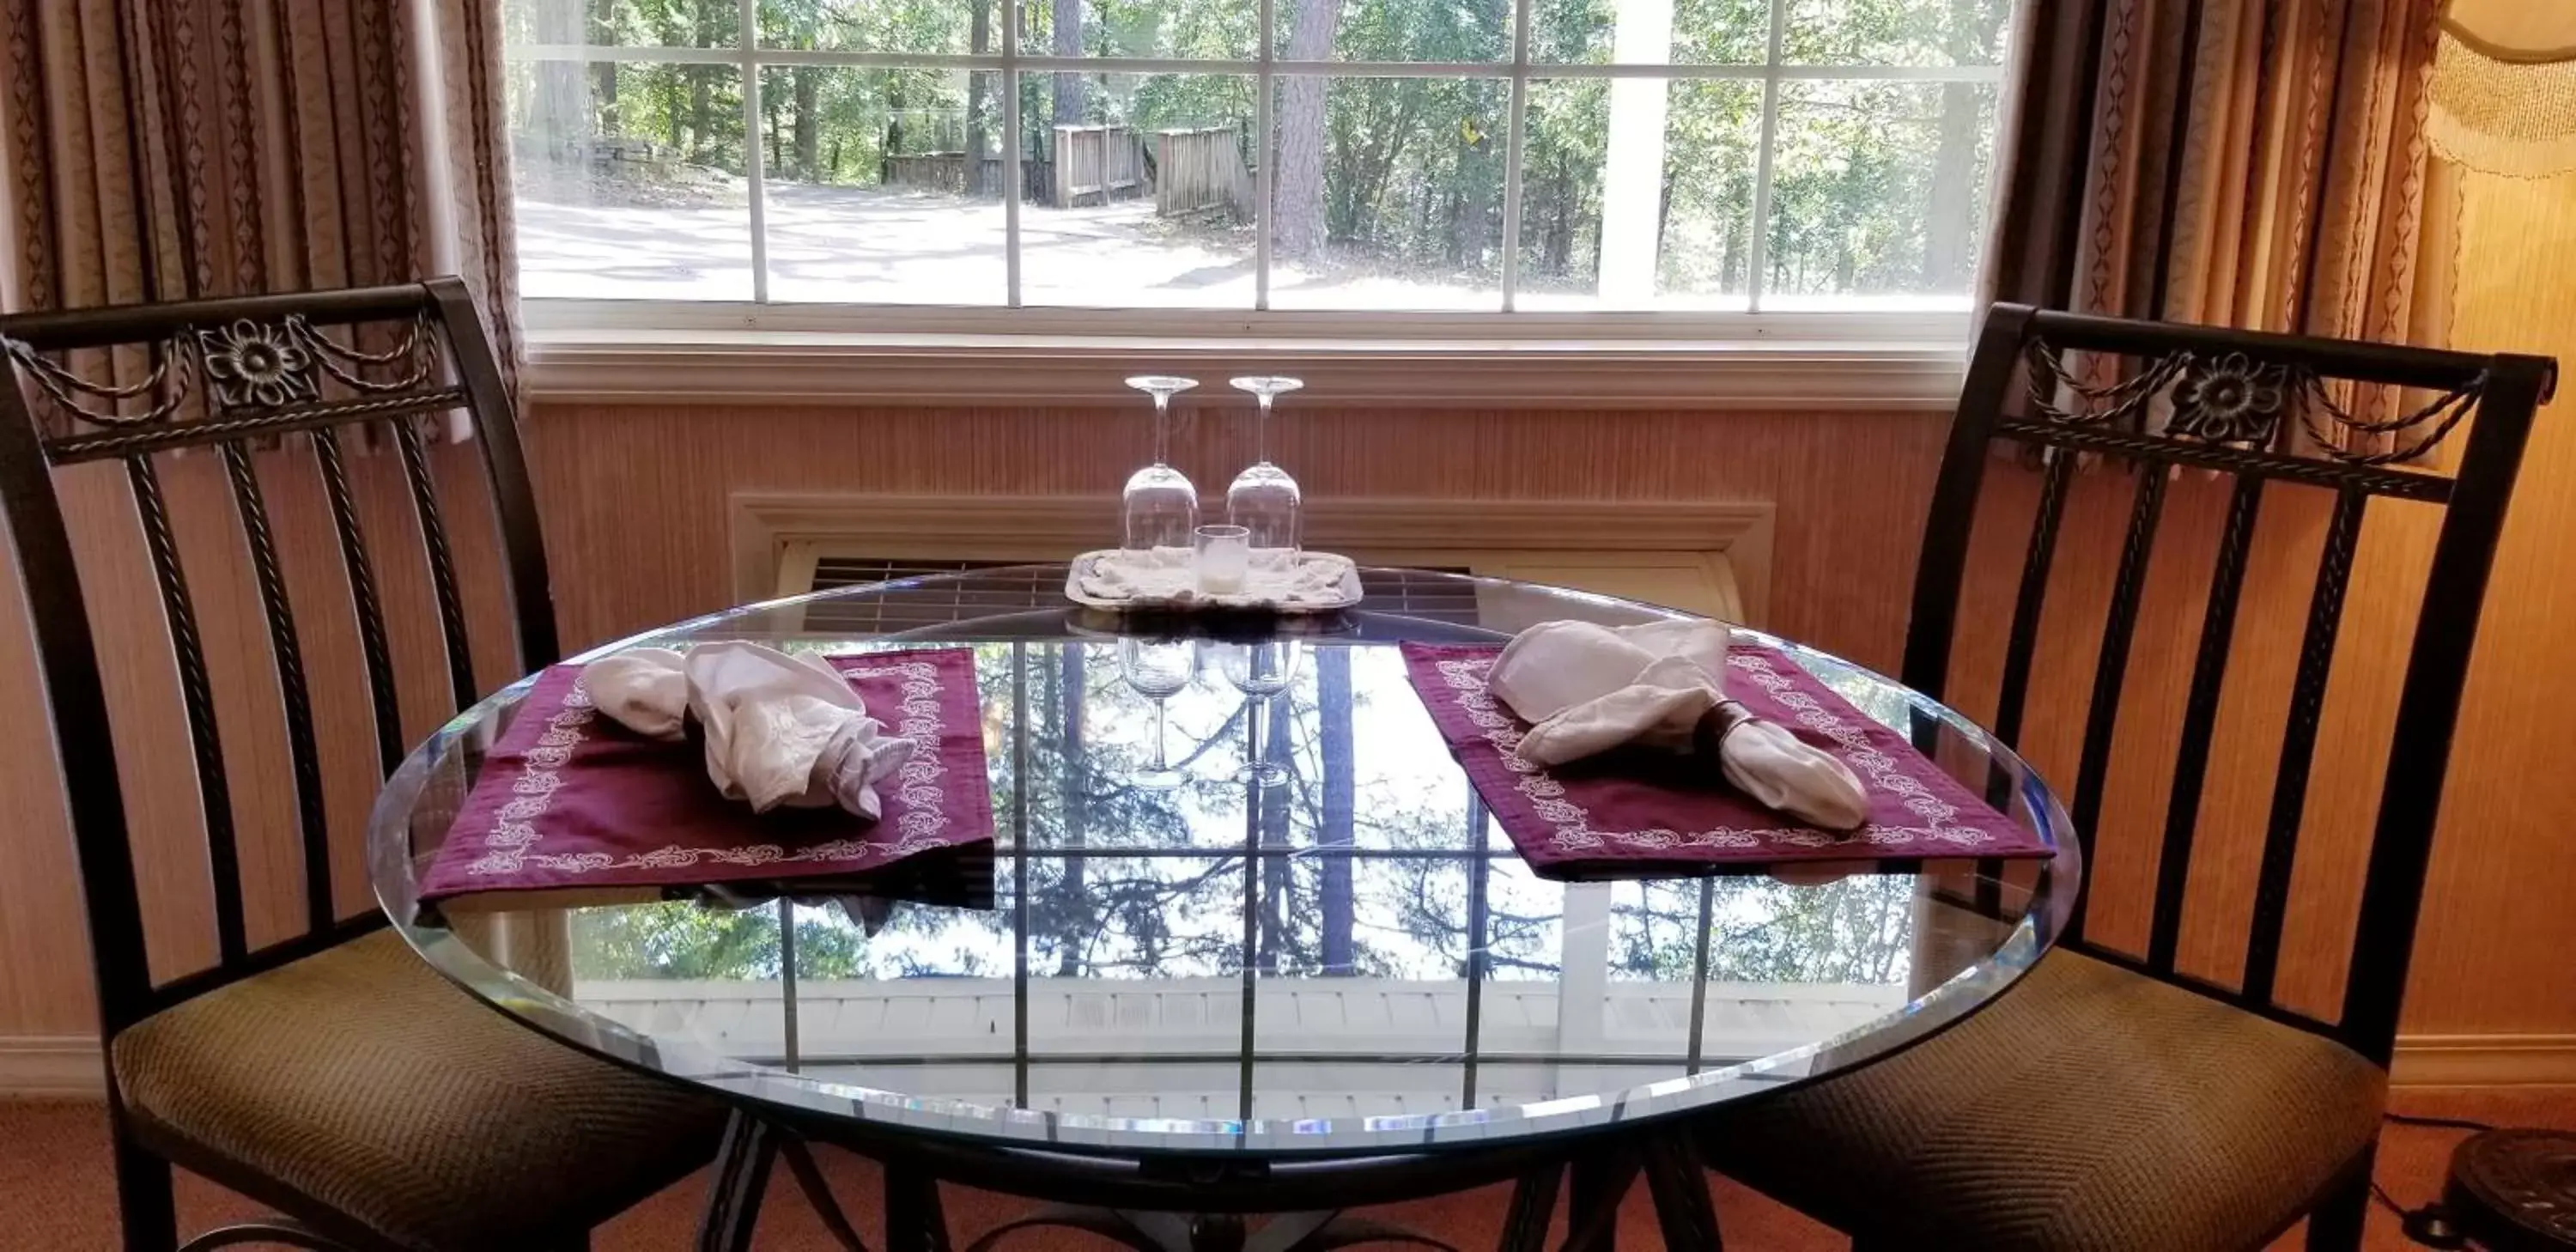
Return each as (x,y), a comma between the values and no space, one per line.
(145,1203)
(2336,1225)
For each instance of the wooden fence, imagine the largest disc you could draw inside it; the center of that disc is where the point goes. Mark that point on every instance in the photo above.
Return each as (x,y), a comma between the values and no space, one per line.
(1193,169)
(610,156)
(1096,164)
(1201,168)
(946,171)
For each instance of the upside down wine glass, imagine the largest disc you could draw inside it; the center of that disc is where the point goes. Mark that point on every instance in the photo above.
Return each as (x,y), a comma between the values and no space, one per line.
(1160,507)
(1261,671)
(1264,499)
(1158,669)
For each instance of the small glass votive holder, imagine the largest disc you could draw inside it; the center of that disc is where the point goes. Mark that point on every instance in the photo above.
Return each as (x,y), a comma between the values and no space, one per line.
(1219,558)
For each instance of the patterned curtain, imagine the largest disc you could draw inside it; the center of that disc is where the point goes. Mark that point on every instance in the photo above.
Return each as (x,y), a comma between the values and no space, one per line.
(2246,163)
(169,149)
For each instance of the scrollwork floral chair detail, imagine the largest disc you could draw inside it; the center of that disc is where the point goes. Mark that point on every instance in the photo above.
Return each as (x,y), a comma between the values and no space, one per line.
(2114,1099)
(330,1075)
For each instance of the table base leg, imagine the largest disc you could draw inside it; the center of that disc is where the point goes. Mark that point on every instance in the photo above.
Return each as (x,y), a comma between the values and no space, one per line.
(1683,1213)
(742,1177)
(1680,1189)
(1210,1232)
(751,1148)
(1533,1202)
(1601,1180)
(915,1220)
(818,1193)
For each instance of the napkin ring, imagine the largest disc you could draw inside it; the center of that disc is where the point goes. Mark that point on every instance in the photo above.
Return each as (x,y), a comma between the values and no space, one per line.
(1721,720)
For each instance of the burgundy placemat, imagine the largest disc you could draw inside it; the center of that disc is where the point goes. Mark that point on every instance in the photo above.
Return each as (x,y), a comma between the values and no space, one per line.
(1640,809)
(570,799)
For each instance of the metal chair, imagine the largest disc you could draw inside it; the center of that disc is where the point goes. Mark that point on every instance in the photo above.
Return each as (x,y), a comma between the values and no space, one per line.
(2110,1101)
(331,1075)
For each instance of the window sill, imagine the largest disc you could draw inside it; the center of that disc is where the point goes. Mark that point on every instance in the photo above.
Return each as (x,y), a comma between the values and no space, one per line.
(1767,362)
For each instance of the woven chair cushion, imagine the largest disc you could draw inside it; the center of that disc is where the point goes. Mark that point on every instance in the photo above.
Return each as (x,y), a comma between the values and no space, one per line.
(2087,1108)
(359,1078)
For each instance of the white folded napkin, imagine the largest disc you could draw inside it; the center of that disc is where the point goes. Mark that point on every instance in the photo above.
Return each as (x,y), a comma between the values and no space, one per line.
(1170,574)
(780,729)
(1588,688)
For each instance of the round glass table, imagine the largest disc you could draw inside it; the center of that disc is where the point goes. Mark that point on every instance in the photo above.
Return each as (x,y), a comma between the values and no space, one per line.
(1192,985)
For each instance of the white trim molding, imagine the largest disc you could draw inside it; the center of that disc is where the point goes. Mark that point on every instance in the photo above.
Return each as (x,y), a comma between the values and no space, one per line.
(600,352)
(50,1066)
(2484,1061)
(763,527)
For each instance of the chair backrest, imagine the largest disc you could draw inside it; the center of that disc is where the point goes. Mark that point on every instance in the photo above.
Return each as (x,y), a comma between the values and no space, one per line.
(128,383)
(2153,398)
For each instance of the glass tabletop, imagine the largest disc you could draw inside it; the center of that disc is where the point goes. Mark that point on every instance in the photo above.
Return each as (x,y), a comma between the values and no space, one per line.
(1351,959)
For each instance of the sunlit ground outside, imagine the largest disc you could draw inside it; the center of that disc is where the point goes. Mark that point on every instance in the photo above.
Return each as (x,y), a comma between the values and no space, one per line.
(865,245)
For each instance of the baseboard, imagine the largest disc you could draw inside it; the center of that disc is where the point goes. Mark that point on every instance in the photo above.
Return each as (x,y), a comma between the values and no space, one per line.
(2484,1061)
(50,1066)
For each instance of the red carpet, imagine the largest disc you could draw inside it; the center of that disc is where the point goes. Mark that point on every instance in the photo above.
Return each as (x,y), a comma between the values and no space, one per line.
(58,1195)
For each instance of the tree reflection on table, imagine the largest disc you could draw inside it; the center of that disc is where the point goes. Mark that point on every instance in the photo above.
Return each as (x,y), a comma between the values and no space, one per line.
(1367,862)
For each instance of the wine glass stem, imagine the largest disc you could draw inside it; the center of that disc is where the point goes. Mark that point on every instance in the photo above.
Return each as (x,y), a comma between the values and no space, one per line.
(1162,718)
(1162,428)
(1261,432)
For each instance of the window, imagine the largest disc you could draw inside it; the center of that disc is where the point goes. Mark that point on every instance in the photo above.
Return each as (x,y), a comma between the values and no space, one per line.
(1455,155)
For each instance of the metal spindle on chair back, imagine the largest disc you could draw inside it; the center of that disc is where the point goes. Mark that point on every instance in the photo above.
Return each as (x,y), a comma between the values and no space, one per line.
(2230,402)
(218,375)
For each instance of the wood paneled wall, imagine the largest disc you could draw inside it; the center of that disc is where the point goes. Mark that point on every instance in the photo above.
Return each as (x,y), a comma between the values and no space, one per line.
(642,491)
(635,504)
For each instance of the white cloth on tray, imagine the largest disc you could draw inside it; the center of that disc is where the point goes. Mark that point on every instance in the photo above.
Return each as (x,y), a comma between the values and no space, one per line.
(1310,578)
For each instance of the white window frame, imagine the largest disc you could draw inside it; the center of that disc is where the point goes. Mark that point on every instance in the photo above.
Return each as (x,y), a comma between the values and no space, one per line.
(684,351)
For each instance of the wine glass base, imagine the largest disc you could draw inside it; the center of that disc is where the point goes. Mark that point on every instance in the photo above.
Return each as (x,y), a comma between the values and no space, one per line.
(1266,775)
(1157,779)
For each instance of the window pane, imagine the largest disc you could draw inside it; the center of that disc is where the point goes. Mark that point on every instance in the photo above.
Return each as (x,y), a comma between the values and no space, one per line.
(629,180)
(1215,29)
(1144,194)
(1611,220)
(884,186)
(1135,917)
(1326,915)
(1654,932)
(1878,194)
(952,26)
(620,24)
(1650,32)
(1394,30)
(1895,32)
(1389,193)
(1526,916)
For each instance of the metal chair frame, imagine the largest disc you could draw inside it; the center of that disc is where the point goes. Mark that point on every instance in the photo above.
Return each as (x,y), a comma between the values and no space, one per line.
(218,375)
(2156,397)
